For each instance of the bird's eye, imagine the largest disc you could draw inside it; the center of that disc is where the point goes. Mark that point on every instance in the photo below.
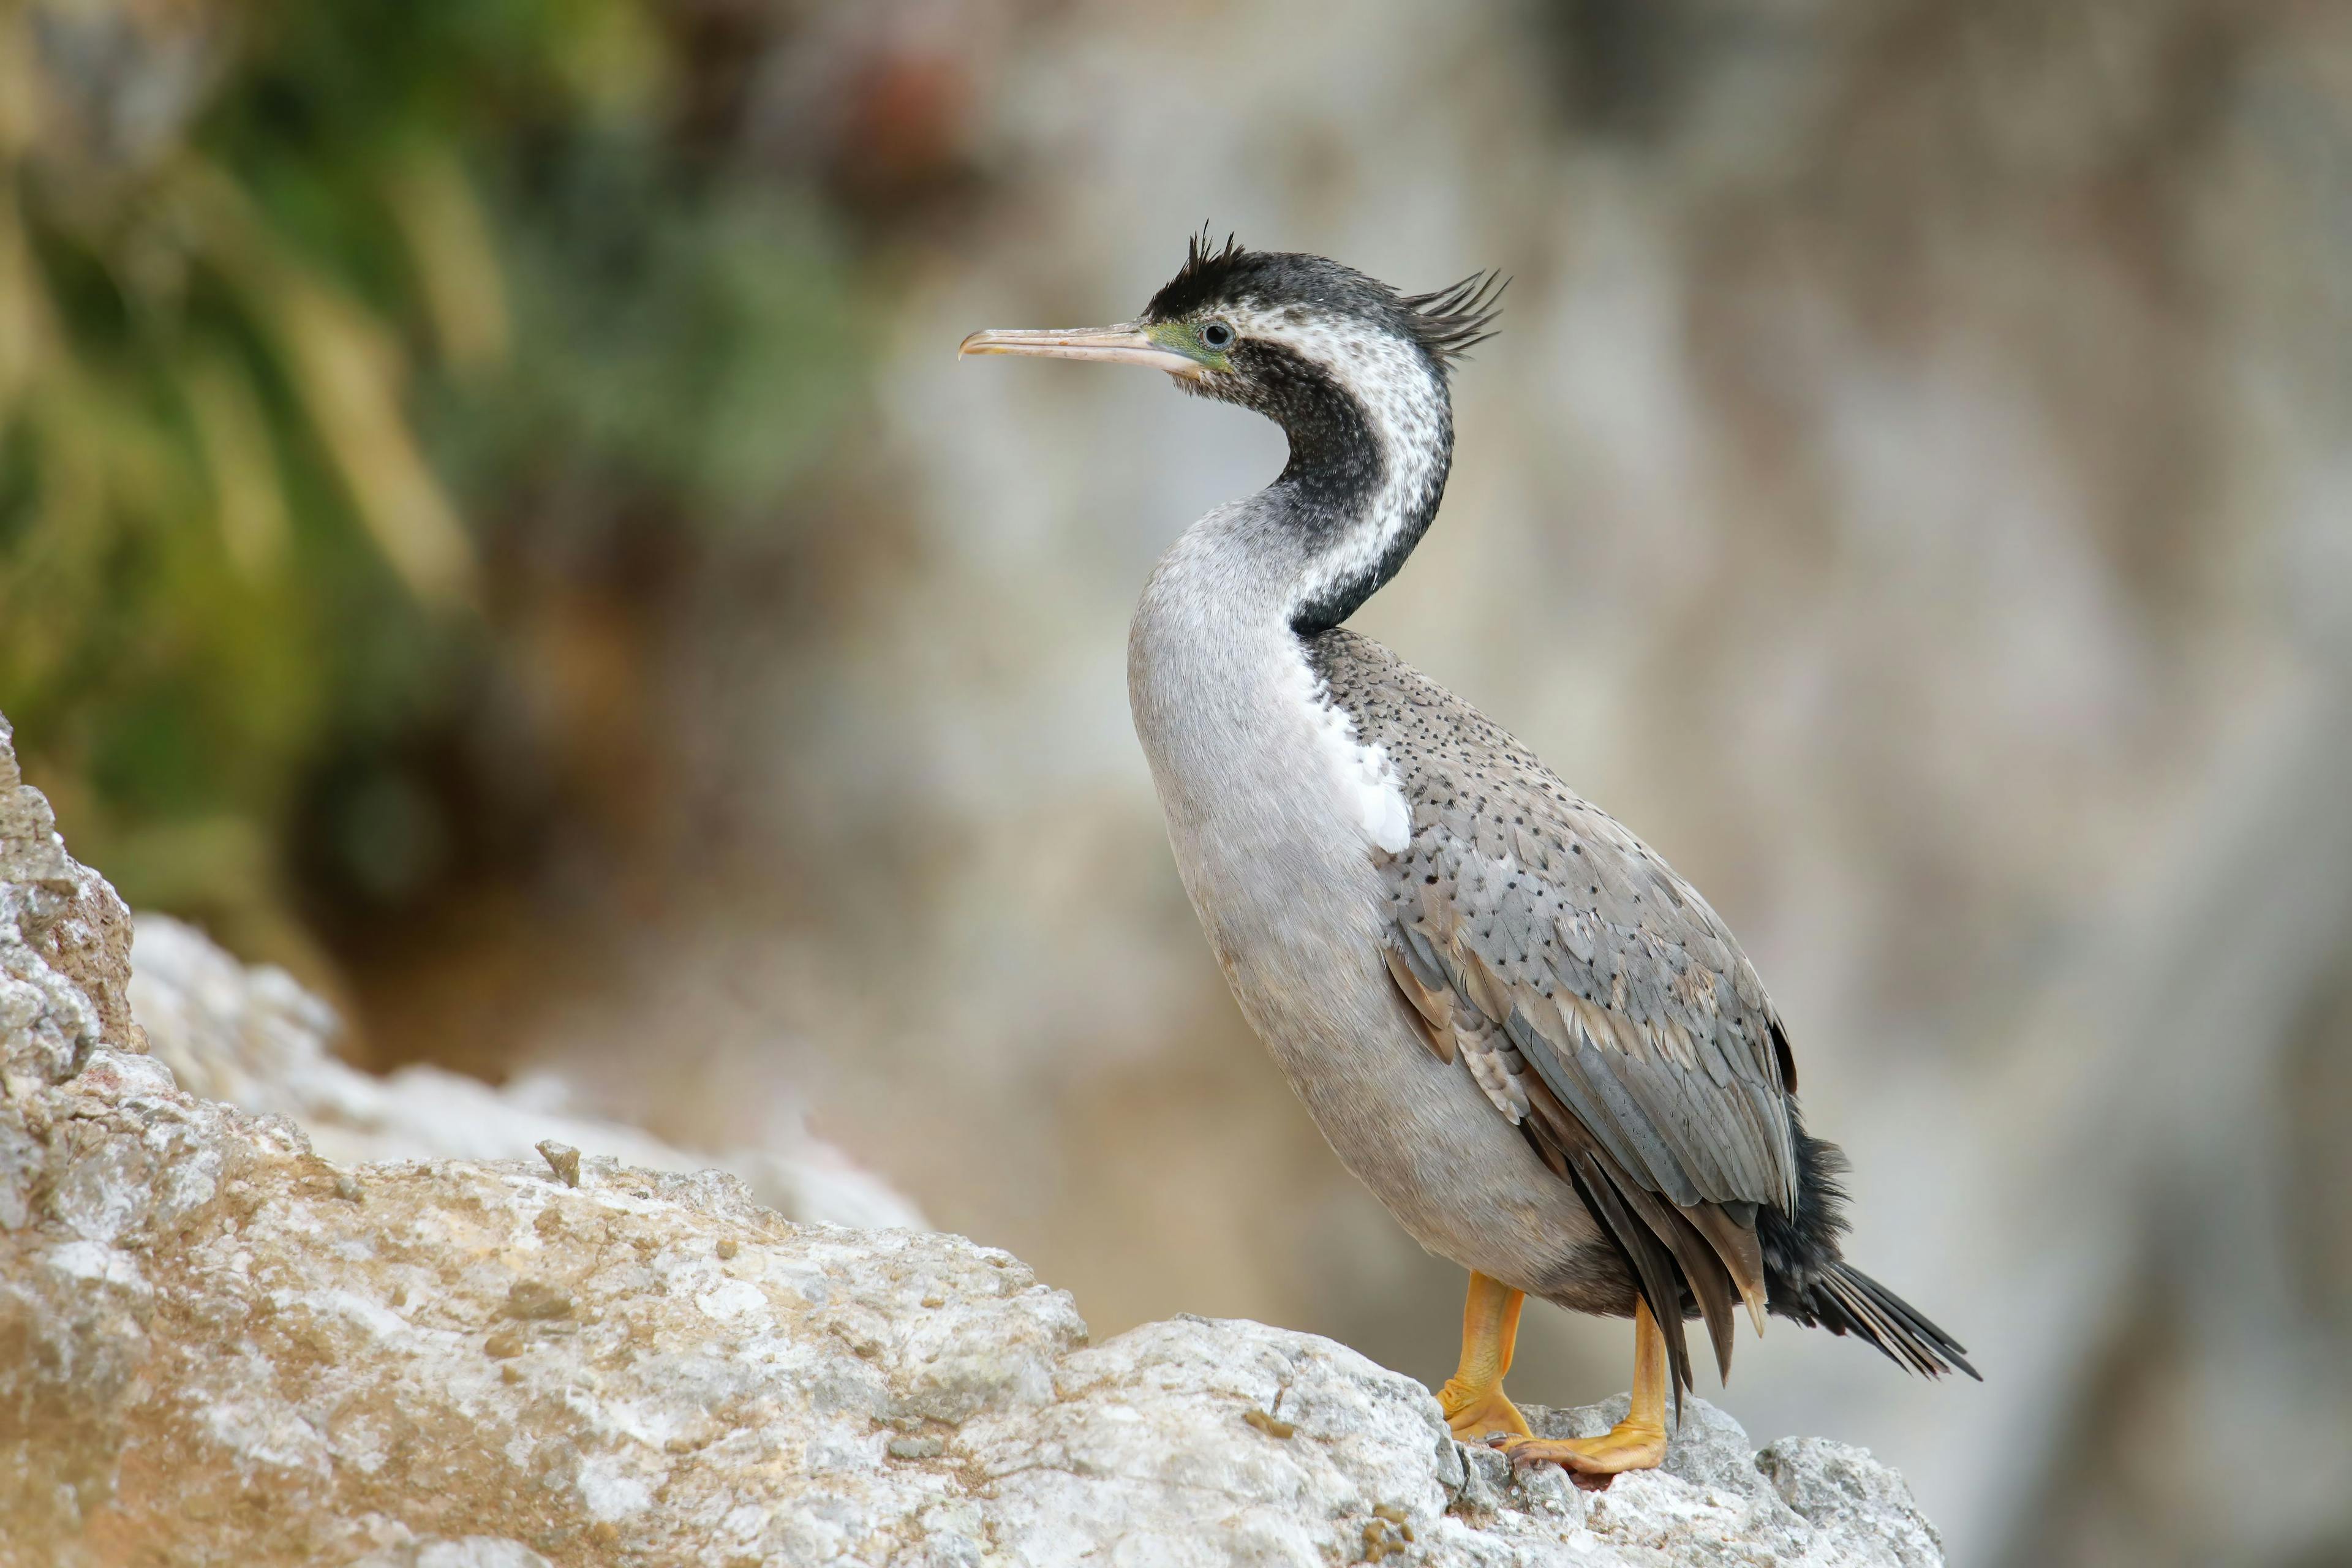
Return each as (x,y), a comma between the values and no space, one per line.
(1216,335)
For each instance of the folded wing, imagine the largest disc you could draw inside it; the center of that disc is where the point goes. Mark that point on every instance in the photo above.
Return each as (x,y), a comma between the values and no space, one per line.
(1596,997)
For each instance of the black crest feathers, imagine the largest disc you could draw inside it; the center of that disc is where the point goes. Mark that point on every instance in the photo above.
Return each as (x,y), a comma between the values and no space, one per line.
(1452,320)
(1445,324)
(1207,272)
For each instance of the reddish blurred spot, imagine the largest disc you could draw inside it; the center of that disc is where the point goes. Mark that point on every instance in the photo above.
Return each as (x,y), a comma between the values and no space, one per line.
(902,126)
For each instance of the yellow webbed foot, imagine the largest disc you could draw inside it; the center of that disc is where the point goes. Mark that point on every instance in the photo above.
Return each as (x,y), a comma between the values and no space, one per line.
(1628,1445)
(1473,1397)
(1636,1443)
(1477,1413)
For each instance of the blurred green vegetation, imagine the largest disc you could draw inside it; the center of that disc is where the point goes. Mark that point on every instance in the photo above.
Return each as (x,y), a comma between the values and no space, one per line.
(305,311)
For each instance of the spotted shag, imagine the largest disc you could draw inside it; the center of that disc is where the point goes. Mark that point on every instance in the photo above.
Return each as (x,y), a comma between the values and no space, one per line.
(1533,1041)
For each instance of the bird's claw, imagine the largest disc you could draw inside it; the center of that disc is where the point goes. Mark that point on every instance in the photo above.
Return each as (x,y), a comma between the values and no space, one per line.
(1521,1451)
(1625,1446)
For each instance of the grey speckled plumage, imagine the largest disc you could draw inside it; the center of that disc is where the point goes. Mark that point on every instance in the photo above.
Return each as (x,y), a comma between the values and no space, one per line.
(1599,1001)
(1533,1042)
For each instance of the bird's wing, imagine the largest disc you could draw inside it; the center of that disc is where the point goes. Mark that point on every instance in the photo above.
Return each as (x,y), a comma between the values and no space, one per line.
(1602,1005)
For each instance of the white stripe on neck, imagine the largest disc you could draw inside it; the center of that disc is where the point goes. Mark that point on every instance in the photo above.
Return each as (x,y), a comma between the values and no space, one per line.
(1405,403)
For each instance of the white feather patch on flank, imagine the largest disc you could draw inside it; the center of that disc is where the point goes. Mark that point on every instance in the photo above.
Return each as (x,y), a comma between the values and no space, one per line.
(1364,783)
(1387,819)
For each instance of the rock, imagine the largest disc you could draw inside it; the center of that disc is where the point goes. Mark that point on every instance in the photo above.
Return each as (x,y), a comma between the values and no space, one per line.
(471,1551)
(562,1159)
(254,1037)
(1844,1494)
(219,1347)
(65,940)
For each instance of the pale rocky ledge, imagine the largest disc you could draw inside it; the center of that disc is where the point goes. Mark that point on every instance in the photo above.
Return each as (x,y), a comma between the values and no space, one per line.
(303,1328)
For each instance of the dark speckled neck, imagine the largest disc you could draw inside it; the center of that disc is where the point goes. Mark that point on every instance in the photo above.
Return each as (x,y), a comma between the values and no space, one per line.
(1332,494)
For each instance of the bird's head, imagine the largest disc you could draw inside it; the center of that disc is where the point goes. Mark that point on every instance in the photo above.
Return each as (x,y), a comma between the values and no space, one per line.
(1354,373)
(1266,329)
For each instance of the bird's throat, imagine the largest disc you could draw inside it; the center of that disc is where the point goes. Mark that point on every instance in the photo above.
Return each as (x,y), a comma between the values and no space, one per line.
(1371,438)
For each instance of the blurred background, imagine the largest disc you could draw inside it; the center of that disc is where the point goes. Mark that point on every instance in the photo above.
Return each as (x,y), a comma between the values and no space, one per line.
(490,520)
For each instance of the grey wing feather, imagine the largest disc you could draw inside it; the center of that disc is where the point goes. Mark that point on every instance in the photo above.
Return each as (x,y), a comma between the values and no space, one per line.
(1585,956)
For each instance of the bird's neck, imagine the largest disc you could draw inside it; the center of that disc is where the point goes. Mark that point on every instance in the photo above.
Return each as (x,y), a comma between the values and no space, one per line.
(1371,424)
(1217,666)
(1259,774)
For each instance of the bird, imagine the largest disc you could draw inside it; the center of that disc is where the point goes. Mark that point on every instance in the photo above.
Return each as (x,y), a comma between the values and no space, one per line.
(1537,1046)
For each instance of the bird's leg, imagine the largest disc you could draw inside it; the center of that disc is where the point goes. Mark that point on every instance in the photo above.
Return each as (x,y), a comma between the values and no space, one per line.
(1636,1443)
(1473,1397)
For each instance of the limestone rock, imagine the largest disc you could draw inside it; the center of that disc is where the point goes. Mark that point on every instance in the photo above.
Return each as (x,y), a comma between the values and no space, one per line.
(252,1036)
(65,942)
(219,1347)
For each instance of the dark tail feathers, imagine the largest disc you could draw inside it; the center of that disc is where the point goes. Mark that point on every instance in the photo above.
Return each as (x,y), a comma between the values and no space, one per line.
(1809,1280)
(1845,1299)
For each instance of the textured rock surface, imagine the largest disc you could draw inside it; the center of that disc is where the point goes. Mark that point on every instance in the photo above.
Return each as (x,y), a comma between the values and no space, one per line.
(65,942)
(218,1347)
(254,1038)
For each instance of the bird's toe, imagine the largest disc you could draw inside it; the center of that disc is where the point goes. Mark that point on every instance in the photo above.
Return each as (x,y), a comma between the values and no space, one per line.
(1474,1415)
(1628,1445)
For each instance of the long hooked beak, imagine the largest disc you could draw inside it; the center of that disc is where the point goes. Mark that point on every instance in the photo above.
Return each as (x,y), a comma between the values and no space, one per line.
(1125,345)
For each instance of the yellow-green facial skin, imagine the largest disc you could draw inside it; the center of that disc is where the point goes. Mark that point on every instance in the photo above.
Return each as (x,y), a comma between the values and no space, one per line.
(1184,338)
